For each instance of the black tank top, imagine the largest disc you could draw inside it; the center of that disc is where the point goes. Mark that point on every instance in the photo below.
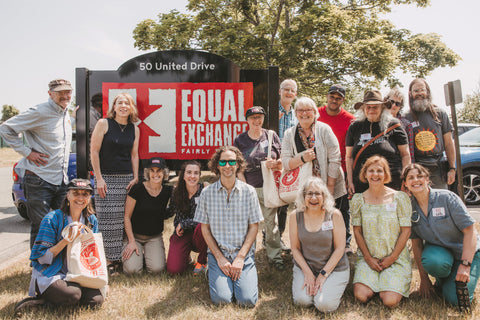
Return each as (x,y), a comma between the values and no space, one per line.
(115,153)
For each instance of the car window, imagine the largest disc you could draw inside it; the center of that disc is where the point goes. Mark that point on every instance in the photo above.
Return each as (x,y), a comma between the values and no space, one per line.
(470,138)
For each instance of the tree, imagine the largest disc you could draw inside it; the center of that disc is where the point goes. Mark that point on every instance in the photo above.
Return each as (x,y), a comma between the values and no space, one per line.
(470,112)
(9,111)
(315,42)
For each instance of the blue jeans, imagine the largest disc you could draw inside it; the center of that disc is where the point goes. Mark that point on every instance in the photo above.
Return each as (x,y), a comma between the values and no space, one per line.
(223,289)
(42,197)
(439,262)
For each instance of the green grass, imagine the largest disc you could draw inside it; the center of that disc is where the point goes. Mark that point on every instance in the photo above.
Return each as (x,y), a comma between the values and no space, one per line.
(186,297)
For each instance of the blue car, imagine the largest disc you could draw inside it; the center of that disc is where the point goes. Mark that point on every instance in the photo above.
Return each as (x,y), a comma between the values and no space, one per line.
(470,153)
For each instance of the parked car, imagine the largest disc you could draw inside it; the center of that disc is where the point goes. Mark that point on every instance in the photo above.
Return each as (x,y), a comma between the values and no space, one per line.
(470,153)
(17,188)
(464,127)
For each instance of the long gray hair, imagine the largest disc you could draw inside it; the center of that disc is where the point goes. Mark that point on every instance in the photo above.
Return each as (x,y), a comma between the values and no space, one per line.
(328,200)
(385,118)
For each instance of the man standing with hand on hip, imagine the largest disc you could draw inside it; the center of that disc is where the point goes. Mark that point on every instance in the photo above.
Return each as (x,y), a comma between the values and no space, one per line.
(48,131)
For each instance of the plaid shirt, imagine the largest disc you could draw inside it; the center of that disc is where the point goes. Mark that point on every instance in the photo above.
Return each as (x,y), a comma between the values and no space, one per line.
(229,219)
(286,121)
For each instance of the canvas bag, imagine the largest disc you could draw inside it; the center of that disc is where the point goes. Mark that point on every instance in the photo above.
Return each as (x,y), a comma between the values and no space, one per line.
(292,180)
(86,261)
(271,180)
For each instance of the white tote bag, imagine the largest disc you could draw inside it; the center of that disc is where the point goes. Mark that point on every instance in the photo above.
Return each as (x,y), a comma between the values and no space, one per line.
(271,180)
(292,180)
(86,261)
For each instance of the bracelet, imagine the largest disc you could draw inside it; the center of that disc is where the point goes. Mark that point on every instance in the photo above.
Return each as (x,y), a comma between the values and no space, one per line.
(452,168)
(303,160)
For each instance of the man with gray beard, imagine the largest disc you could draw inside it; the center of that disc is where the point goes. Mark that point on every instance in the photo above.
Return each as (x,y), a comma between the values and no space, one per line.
(432,135)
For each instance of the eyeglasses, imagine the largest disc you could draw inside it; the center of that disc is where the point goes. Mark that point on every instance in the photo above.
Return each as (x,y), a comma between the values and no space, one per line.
(223,163)
(289,90)
(304,110)
(396,102)
(311,194)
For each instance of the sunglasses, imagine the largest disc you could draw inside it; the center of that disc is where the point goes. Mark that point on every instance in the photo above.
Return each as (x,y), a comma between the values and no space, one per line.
(396,102)
(223,163)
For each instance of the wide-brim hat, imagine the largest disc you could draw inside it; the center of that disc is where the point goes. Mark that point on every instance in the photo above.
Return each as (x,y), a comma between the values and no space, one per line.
(372,97)
(80,184)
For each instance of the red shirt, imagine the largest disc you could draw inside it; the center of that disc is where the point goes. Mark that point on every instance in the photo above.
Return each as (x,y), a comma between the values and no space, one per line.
(339,125)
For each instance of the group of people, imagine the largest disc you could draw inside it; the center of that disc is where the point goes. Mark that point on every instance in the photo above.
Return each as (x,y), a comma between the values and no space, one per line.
(386,162)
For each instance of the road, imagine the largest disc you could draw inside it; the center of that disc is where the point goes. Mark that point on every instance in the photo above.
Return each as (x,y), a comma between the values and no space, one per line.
(14,230)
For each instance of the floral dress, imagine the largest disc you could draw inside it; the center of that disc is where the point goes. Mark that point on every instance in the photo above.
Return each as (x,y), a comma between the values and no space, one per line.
(381,226)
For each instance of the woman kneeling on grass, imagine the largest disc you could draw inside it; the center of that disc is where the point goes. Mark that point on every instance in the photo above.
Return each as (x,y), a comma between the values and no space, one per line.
(317,239)
(187,235)
(145,212)
(49,252)
(444,240)
(381,224)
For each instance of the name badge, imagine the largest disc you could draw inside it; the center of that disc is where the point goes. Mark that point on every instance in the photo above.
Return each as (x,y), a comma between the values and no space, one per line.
(438,212)
(415,124)
(264,144)
(327,225)
(366,136)
(392,206)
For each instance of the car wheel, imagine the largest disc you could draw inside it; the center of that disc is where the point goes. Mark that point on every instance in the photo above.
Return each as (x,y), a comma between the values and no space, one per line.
(22,210)
(471,186)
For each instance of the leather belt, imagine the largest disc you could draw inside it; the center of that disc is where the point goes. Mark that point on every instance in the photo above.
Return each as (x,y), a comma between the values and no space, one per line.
(30,173)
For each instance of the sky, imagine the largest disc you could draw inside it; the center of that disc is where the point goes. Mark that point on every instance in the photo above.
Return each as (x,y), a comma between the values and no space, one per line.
(48,39)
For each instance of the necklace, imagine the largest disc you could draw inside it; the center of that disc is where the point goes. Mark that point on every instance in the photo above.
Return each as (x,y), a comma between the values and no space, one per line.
(122,126)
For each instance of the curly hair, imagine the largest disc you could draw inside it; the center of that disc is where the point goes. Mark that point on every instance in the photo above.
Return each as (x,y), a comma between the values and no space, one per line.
(133,116)
(328,200)
(213,163)
(415,166)
(87,211)
(375,160)
(180,193)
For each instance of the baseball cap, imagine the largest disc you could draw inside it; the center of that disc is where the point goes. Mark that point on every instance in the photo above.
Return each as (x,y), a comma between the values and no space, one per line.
(80,184)
(59,85)
(254,110)
(337,88)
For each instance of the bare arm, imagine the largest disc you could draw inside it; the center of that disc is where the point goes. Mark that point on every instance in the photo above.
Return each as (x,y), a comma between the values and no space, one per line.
(132,246)
(349,167)
(386,262)
(404,155)
(134,156)
(372,262)
(468,252)
(450,151)
(426,287)
(237,265)
(95,144)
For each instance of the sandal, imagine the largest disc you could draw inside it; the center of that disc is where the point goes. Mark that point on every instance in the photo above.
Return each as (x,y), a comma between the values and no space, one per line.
(112,269)
(463,296)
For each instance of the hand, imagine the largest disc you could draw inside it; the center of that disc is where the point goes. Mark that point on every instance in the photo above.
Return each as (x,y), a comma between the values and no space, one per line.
(319,283)
(386,262)
(309,283)
(38,158)
(463,273)
(374,264)
(426,288)
(309,155)
(236,268)
(451,177)
(132,183)
(225,266)
(129,249)
(101,187)
(179,230)
(350,189)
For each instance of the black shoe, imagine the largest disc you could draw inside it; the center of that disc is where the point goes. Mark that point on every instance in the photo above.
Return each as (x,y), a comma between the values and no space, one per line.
(279,265)
(31,302)
(285,248)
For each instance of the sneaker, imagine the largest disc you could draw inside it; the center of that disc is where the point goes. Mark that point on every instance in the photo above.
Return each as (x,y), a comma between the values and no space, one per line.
(199,268)
(285,248)
(30,302)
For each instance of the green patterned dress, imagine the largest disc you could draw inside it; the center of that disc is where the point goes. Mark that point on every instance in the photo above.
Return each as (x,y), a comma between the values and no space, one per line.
(381,228)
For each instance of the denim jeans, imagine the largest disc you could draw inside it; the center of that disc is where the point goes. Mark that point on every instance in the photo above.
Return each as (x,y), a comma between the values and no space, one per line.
(42,197)
(439,262)
(223,289)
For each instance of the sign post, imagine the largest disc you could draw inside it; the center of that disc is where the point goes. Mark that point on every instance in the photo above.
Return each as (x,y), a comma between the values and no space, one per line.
(453,95)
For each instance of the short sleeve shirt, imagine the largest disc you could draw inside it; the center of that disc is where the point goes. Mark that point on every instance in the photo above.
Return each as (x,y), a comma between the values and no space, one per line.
(229,216)
(254,152)
(428,133)
(447,216)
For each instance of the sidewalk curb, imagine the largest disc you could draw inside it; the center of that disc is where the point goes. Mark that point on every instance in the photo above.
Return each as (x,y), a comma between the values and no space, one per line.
(10,262)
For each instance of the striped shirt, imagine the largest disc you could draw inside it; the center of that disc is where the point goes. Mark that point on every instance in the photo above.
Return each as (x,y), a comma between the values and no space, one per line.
(286,120)
(229,217)
(47,129)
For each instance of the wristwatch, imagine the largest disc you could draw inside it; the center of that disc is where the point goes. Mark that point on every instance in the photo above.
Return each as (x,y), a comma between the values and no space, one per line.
(323,272)
(452,168)
(466,263)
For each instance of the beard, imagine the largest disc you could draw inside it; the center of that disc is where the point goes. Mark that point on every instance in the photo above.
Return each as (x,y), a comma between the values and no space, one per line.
(420,105)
